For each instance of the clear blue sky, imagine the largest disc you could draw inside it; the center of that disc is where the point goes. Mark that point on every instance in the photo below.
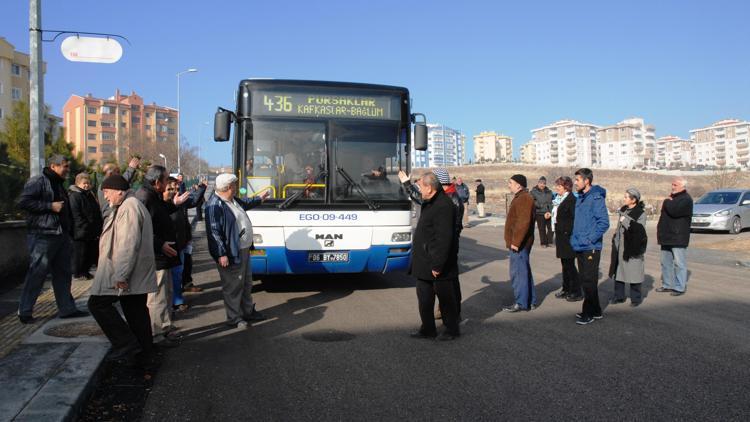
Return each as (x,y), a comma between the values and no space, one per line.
(477,65)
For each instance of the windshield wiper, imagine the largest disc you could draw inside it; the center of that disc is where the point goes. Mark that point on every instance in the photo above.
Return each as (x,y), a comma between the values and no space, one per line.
(372,205)
(284,205)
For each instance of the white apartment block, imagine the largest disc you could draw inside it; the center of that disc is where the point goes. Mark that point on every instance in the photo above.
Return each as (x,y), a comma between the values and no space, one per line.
(723,144)
(491,147)
(445,148)
(565,143)
(673,152)
(627,145)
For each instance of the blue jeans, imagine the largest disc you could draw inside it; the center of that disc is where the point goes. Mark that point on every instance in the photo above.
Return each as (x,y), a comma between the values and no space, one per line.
(521,278)
(48,254)
(177,280)
(674,272)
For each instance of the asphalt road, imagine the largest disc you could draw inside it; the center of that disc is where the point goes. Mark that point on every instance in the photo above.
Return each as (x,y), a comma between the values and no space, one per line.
(337,348)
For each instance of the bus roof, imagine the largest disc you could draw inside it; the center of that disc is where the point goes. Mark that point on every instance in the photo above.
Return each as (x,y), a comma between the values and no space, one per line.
(262,82)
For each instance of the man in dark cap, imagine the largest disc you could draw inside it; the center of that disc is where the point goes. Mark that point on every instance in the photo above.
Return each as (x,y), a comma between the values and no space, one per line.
(542,208)
(126,273)
(50,226)
(519,238)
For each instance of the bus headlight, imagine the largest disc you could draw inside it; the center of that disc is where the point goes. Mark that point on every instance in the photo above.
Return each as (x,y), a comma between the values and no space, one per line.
(401,237)
(257,238)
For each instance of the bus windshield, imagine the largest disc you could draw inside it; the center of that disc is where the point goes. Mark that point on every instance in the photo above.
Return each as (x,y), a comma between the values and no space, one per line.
(371,155)
(286,157)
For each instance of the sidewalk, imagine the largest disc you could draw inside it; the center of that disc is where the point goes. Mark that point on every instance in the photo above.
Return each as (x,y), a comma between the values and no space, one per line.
(47,368)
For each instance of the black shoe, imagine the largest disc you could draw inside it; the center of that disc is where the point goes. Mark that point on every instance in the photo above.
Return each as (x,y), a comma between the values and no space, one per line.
(616,301)
(574,298)
(255,316)
(585,320)
(582,316)
(515,308)
(635,304)
(26,319)
(663,290)
(77,314)
(561,294)
(421,335)
(167,343)
(676,293)
(447,337)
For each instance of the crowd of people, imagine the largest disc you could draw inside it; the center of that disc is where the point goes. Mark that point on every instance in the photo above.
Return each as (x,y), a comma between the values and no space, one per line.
(573,216)
(140,242)
(141,245)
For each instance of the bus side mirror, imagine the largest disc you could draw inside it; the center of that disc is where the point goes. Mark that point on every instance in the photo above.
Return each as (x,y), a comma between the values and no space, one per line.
(420,132)
(222,125)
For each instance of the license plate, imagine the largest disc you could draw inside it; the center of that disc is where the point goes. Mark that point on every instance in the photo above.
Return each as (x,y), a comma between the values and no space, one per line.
(699,220)
(328,257)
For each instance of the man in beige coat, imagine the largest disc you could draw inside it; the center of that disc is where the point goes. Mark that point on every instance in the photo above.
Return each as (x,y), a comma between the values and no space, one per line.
(125,273)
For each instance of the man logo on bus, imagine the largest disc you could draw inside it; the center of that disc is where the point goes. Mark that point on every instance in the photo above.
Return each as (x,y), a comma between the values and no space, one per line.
(329,236)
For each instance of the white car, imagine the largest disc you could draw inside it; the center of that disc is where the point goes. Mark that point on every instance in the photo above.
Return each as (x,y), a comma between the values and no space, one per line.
(724,210)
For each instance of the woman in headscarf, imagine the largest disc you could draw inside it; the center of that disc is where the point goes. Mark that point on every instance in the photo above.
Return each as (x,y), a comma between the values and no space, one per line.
(628,248)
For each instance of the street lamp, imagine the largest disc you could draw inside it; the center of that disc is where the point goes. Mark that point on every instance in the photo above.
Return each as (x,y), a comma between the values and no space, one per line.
(165,160)
(200,135)
(179,118)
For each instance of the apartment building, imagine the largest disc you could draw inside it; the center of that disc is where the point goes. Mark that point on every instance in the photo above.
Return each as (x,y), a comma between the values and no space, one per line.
(14,78)
(626,145)
(445,148)
(673,152)
(491,147)
(528,153)
(117,126)
(723,144)
(565,143)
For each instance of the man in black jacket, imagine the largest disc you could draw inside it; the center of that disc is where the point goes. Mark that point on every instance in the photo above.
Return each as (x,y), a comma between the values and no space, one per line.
(165,238)
(435,259)
(49,228)
(673,234)
(87,226)
(542,207)
(480,198)
(112,169)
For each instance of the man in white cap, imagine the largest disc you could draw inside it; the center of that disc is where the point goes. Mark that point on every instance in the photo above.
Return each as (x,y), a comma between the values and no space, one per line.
(230,239)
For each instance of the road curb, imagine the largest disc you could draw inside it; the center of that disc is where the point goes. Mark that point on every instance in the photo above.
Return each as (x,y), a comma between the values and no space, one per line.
(61,397)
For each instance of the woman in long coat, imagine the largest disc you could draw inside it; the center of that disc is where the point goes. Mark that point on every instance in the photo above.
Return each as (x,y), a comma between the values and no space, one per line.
(562,216)
(628,248)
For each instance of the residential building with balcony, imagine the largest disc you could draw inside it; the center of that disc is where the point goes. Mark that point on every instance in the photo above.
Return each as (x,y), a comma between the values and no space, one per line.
(673,152)
(627,145)
(723,144)
(115,127)
(565,143)
(445,148)
(14,78)
(491,147)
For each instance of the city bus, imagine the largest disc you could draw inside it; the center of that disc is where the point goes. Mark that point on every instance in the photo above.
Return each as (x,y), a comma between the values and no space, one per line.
(329,154)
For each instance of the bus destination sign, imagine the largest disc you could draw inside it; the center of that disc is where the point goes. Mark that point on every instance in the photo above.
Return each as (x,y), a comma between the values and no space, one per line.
(325,106)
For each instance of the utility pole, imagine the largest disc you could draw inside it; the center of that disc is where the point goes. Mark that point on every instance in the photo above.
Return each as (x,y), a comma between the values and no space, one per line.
(36,94)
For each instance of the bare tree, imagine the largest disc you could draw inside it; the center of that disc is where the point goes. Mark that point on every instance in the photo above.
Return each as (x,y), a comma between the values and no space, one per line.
(724,178)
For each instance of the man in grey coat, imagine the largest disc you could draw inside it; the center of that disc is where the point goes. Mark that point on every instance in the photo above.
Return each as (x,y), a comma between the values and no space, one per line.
(125,273)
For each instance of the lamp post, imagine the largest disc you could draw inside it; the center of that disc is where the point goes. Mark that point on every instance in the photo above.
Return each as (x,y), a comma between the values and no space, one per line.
(200,136)
(179,118)
(165,160)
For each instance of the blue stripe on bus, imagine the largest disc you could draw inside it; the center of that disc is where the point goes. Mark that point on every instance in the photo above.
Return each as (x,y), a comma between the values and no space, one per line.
(279,260)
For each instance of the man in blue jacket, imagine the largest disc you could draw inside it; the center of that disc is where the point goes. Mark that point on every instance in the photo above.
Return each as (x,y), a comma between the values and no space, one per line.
(230,239)
(590,224)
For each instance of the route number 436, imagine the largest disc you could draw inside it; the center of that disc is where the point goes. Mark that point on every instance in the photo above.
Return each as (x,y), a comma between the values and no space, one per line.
(278,103)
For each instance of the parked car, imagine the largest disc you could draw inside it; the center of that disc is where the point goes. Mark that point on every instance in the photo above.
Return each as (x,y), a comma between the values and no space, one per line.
(725,210)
